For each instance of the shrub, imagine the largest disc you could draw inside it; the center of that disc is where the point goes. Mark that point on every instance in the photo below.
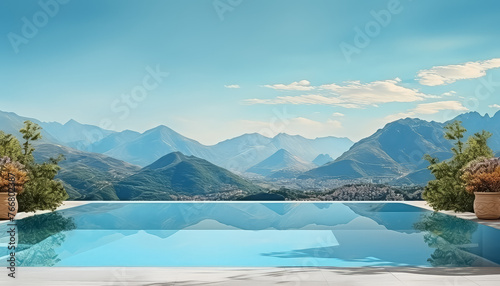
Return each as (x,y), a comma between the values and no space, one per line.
(9,168)
(447,191)
(41,190)
(482,175)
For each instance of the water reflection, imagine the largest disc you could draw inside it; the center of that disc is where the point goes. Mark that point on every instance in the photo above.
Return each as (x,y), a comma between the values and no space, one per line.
(454,240)
(253,234)
(34,229)
(39,236)
(205,216)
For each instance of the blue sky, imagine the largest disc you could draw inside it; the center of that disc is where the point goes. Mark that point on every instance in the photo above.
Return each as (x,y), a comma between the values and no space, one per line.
(245,66)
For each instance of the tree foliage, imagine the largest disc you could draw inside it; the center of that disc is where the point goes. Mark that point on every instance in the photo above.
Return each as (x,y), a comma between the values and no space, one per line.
(41,191)
(10,168)
(447,191)
(10,147)
(31,132)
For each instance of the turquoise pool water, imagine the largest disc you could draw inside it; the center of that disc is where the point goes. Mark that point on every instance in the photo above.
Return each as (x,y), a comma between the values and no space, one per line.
(251,234)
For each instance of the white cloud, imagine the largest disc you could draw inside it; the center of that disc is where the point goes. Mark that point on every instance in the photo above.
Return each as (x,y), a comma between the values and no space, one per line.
(353,94)
(301,99)
(301,125)
(382,91)
(338,114)
(449,93)
(296,85)
(428,108)
(435,107)
(496,106)
(441,75)
(232,86)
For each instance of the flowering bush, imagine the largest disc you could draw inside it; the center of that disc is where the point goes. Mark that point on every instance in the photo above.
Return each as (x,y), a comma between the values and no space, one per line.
(482,175)
(9,168)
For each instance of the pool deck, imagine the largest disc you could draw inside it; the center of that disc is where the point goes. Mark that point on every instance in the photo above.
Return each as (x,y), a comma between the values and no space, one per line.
(158,276)
(150,276)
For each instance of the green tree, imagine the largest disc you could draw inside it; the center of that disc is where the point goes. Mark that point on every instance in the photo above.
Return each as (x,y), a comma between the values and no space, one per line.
(42,191)
(447,191)
(31,133)
(10,147)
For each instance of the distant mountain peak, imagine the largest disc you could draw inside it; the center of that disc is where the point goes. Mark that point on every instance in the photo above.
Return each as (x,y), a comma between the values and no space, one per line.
(167,160)
(160,128)
(407,120)
(286,135)
(282,152)
(249,135)
(279,161)
(163,130)
(128,131)
(322,159)
(72,122)
(471,115)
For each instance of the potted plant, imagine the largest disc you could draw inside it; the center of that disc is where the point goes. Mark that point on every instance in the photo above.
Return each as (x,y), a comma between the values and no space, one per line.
(482,177)
(12,179)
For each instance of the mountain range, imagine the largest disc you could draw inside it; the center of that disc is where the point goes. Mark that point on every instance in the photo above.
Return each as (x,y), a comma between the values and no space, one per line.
(160,163)
(237,154)
(93,176)
(395,153)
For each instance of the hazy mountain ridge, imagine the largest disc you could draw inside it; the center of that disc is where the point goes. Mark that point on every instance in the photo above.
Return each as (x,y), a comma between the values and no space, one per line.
(11,123)
(74,134)
(243,152)
(155,143)
(236,154)
(113,140)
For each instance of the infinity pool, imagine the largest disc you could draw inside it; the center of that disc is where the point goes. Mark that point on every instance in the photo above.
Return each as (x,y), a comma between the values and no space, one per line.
(251,234)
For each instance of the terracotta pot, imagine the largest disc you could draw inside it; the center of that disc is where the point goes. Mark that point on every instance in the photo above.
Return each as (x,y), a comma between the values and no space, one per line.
(487,205)
(5,206)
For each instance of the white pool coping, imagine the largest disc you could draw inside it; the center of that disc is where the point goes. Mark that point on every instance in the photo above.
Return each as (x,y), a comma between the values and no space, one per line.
(160,276)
